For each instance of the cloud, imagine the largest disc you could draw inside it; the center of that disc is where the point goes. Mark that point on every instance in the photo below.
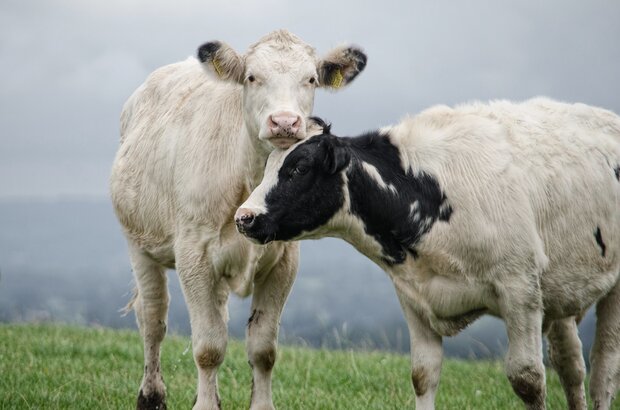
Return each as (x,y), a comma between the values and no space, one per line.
(66,67)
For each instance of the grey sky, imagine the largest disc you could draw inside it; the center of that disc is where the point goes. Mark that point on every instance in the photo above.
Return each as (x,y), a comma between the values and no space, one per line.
(66,67)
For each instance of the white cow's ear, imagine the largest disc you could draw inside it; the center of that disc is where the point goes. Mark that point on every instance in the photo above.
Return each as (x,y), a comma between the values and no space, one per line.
(221,62)
(340,66)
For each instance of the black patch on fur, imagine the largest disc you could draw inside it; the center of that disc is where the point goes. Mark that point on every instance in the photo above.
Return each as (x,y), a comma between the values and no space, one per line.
(153,401)
(360,62)
(617,172)
(599,240)
(254,317)
(388,216)
(306,199)
(207,50)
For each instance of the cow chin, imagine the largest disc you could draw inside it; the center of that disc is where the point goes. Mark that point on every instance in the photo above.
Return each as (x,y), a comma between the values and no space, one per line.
(283,142)
(258,233)
(259,238)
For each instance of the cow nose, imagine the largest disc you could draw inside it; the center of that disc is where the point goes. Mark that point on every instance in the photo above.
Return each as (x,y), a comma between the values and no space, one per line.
(244,219)
(284,123)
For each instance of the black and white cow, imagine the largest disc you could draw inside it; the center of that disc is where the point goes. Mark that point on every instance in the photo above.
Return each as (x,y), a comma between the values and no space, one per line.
(505,209)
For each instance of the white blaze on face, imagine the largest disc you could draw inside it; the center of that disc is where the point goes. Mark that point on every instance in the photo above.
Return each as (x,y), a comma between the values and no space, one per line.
(256,201)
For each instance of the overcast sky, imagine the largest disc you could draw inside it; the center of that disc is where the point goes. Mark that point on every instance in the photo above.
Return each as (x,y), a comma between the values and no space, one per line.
(66,67)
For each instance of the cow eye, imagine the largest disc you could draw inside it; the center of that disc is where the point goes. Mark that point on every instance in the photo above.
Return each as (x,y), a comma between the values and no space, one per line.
(300,170)
(312,80)
(251,78)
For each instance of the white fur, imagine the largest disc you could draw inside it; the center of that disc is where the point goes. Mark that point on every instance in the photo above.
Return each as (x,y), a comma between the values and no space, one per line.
(192,148)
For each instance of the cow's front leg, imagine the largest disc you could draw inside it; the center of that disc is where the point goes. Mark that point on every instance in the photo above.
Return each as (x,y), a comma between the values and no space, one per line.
(426,357)
(521,309)
(271,288)
(206,295)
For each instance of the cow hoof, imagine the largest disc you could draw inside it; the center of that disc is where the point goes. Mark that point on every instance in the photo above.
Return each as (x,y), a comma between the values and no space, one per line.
(154,401)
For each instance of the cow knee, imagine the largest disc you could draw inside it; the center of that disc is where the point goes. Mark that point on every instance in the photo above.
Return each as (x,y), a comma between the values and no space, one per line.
(208,356)
(528,382)
(420,380)
(263,358)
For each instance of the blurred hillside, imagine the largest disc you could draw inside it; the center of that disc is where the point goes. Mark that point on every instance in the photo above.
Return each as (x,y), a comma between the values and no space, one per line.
(66,261)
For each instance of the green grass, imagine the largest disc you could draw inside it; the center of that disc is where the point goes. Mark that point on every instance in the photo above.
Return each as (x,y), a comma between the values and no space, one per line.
(63,367)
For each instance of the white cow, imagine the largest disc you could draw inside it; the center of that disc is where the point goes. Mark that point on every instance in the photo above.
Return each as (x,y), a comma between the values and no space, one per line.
(193,146)
(507,209)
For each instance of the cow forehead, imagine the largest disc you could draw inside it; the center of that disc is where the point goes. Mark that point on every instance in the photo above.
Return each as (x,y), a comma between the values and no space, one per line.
(292,58)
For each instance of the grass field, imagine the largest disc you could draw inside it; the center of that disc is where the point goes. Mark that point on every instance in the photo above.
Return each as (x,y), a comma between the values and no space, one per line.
(62,367)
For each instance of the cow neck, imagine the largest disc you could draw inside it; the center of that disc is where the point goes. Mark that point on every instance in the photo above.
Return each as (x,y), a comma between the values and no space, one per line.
(397,206)
(256,155)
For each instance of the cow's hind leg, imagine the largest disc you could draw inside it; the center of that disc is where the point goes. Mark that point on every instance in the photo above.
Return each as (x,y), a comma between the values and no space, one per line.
(271,290)
(567,359)
(151,307)
(605,354)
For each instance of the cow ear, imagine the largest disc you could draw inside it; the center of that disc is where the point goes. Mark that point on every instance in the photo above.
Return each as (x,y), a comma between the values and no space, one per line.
(340,66)
(317,126)
(336,155)
(221,62)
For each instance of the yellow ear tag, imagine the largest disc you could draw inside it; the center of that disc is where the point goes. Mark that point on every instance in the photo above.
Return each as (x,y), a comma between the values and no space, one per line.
(217,67)
(337,79)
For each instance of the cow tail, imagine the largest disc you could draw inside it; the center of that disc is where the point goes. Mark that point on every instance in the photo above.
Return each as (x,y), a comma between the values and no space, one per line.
(130,305)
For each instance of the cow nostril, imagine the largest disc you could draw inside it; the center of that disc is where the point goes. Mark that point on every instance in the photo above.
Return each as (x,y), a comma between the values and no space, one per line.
(245,220)
(272,123)
(297,123)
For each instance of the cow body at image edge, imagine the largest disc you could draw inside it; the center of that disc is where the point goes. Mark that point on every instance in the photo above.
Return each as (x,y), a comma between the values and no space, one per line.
(502,208)
(194,139)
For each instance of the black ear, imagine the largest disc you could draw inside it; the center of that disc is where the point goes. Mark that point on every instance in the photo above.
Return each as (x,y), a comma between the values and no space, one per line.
(336,155)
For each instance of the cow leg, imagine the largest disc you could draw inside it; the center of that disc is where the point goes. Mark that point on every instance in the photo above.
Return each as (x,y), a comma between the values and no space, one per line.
(567,359)
(151,307)
(426,357)
(270,293)
(206,295)
(521,308)
(605,354)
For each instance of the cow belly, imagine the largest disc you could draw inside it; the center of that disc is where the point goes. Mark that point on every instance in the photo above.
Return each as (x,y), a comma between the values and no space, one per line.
(569,291)
(449,304)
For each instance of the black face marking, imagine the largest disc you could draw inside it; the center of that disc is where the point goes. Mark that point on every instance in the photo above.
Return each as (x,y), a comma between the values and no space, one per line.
(308,193)
(599,240)
(207,50)
(617,172)
(310,186)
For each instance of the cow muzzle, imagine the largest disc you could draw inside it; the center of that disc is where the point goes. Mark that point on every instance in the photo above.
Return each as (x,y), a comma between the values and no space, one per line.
(285,129)
(244,219)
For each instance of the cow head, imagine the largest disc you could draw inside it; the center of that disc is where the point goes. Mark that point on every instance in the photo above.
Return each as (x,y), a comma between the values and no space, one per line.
(279,75)
(302,189)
